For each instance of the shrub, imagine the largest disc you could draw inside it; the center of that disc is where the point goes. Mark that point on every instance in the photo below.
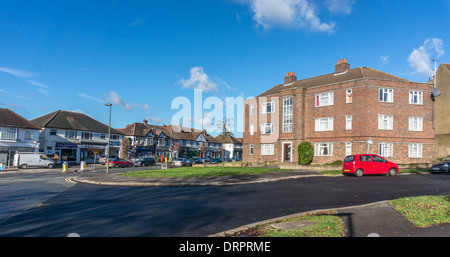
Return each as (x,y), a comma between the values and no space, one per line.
(305,153)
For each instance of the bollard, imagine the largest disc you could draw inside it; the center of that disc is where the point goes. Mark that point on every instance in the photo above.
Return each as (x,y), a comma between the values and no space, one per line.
(65,166)
(82,165)
(2,167)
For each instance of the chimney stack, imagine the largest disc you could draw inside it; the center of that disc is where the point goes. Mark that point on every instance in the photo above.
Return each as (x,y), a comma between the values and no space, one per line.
(290,77)
(145,122)
(342,66)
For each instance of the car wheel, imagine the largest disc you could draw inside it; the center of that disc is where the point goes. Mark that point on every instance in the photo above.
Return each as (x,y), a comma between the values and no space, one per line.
(116,165)
(23,166)
(359,172)
(50,166)
(392,172)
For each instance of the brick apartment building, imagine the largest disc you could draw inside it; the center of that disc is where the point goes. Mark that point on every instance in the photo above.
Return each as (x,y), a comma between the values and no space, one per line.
(346,112)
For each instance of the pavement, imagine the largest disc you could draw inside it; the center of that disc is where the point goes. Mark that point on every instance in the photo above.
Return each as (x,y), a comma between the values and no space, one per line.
(370,220)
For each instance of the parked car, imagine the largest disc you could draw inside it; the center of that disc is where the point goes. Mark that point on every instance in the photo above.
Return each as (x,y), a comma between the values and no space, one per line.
(120,163)
(442,166)
(25,160)
(215,160)
(179,162)
(102,159)
(144,161)
(197,160)
(362,164)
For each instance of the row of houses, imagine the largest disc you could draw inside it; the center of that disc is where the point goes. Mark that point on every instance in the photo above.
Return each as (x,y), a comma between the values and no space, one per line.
(76,137)
(350,111)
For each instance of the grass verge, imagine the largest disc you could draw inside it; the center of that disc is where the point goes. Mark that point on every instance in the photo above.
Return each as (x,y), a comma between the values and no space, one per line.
(327,224)
(424,211)
(202,172)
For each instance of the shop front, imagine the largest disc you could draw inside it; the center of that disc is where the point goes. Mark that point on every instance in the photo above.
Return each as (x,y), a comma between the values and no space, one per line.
(67,152)
(90,153)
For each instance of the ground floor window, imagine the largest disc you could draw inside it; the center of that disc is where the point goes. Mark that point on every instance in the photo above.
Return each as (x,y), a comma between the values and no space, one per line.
(267,149)
(348,148)
(69,155)
(323,149)
(415,151)
(385,149)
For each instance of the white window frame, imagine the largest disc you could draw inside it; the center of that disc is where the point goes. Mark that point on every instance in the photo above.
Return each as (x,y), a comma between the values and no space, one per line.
(28,135)
(415,123)
(349,96)
(415,150)
(325,99)
(348,148)
(267,149)
(252,109)
(265,106)
(288,107)
(348,122)
(328,122)
(9,133)
(323,149)
(386,95)
(252,129)
(415,97)
(385,120)
(269,126)
(385,149)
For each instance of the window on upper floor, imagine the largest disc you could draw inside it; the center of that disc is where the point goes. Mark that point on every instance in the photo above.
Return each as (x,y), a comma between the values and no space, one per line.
(287,114)
(324,124)
(416,123)
(268,107)
(325,99)
(386,95)
(8,133)
(385,122)
(267,128)
(252,109)
(86,135)
(71,134)
(415,97)
(349,96)
(348,122)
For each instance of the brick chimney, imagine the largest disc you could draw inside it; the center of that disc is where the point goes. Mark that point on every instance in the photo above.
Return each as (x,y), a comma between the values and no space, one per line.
(290,77)
(145,122)
(342,66)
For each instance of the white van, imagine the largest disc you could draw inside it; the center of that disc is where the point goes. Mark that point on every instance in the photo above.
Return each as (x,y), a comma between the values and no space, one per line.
(25,160)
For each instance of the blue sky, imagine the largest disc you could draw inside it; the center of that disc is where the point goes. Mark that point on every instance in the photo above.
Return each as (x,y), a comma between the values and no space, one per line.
(141,55)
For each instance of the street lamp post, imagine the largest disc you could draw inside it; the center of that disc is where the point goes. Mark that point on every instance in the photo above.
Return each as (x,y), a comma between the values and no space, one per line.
(109,136)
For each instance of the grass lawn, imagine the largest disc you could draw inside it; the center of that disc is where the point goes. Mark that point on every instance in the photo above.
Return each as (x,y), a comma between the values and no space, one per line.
(424,211)
(327,225)
(202,172)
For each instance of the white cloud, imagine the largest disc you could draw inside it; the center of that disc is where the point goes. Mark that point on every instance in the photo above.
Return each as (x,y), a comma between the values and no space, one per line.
(116,99)
(18,73)
(137,21)
(199,80)
(98,100)
(289,13)
(343,7)
(420,58)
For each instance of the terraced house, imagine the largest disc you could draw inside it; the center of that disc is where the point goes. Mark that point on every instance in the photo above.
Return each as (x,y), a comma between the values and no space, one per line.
(346,112)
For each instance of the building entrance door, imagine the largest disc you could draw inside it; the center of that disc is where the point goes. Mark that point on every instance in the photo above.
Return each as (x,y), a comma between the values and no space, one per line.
(287,152)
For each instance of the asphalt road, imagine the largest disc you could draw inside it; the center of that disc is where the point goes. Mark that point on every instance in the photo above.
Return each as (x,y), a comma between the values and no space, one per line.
(105,211)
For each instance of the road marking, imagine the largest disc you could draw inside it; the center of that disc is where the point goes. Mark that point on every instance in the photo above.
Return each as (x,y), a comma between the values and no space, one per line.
(73,235)
(373,235)
(69,180)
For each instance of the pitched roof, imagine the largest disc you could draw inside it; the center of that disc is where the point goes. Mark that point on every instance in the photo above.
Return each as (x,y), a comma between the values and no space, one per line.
(228,139)
(9,118)
(72,121)
(136,129)
(351,74)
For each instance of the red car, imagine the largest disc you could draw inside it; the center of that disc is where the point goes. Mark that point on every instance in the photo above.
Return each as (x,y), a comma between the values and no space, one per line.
(361,164)
(120,163)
